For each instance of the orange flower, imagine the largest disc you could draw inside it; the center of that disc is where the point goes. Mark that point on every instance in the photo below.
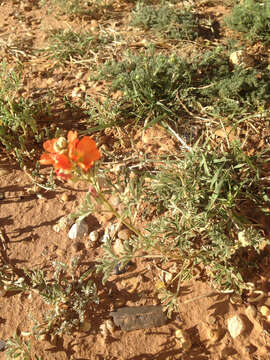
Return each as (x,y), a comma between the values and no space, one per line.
(83,152)
(59,160)
(63,154)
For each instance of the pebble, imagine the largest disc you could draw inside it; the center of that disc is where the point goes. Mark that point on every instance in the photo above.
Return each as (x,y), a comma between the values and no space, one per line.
(64,222)
(94,236)
(2,345)
(119,269)
(124,234)
(236,326)
(242,58)
(56,228)
(64,197)
(77,230)
(264,310)
(118,247)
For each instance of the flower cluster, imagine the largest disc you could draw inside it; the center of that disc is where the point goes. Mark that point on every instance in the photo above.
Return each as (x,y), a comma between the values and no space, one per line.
(64,154)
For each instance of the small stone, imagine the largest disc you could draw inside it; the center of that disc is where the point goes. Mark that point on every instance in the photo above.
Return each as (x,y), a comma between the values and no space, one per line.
(56,228)
(94,236)
(264,310)
(242,58)
(118,247)
(77,230)
(2,345)
(119,269)
(236,326)
(64,222)
(142,317)
(64,197)
(124,234)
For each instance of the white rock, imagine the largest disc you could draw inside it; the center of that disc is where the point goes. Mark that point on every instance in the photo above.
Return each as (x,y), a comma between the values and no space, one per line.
(118,247)
(241,58)
(78,230)
(236,326)
(93,236)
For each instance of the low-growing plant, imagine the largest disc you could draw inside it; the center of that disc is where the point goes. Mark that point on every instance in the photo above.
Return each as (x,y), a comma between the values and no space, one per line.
(201,220)
(81,8)
(17,348)
(67,45)
(19,130)
(166,21)
(252,18)
(155,87)
(71,295)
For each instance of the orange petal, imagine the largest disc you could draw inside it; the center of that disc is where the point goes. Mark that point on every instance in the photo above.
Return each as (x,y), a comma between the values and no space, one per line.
(86,153)
(46,159)
(62,162)
(48,145)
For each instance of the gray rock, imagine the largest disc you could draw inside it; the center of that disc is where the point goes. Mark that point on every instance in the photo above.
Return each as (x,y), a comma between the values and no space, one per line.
(2,345)
(77,230)
(142,317)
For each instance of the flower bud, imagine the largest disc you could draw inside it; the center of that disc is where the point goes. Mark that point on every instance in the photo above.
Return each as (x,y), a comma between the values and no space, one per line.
(60,144)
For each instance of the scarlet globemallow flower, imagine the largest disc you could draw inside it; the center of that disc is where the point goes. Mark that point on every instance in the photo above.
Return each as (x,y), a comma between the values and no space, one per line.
(57,155)
(63,154)
(83,152)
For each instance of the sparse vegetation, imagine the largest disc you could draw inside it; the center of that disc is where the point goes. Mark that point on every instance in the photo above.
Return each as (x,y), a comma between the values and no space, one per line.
(252,18)
(195,200)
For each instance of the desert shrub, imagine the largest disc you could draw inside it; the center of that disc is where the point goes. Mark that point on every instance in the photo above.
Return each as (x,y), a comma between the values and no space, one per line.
(252,19)
(173,23)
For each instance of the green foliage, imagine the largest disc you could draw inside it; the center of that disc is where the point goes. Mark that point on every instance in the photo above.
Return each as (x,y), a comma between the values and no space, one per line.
(167,21)
(202,222)
(149,83)
(251,18)
(18,349)
(156,86)
(199,199)
(72,295)
(18,126)
(67,45)
(81,8)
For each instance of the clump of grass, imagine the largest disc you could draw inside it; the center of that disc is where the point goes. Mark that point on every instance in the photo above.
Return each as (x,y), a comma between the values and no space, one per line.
(199,200)
(70,292)
(19,129)
(172,23)
(67,45)
(72,295)
(252,18)
(83,8)
(158,86)
(149,83)
(18,348)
